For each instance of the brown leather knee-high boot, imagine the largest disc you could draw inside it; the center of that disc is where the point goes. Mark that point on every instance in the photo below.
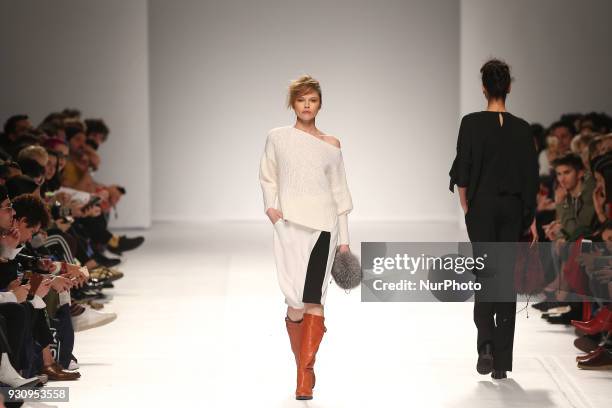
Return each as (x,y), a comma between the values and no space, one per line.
(294,329)
(312,334)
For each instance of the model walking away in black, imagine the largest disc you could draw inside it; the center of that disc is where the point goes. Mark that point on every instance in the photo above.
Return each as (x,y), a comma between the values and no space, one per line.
(496,171)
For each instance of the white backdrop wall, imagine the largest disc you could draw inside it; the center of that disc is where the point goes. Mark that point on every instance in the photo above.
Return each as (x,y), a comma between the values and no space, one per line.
(90,55)
(396,76)
(559,51)
(219,72)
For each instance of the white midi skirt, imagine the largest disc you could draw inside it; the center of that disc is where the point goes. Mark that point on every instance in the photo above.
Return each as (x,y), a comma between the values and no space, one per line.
(304,259)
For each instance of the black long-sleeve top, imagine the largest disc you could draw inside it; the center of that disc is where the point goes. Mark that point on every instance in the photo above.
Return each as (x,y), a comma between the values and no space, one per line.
(494,158)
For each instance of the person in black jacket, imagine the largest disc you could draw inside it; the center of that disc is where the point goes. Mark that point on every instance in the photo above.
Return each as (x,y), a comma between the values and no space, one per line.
(496,171)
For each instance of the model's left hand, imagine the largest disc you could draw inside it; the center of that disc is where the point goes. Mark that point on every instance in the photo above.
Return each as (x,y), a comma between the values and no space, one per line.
(344,248)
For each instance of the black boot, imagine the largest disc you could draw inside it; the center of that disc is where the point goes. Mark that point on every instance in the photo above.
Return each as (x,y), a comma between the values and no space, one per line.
(498,374)
(485,359)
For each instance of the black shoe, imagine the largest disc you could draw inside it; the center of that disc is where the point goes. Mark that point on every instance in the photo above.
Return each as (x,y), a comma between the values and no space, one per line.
(97,284)
(80,294)
(559,319)
(93,284)
(575,313)
(498,374)
(125,244)
(108,285)
(106,261)
(547,304)
(485,360)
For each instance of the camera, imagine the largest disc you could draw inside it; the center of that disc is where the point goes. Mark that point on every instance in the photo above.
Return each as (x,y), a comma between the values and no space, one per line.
(31,263)
(59,212)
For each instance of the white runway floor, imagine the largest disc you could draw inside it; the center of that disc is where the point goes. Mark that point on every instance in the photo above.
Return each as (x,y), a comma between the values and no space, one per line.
(201,325)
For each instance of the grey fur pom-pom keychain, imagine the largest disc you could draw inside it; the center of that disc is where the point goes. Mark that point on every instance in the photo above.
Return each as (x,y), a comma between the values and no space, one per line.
(346,270)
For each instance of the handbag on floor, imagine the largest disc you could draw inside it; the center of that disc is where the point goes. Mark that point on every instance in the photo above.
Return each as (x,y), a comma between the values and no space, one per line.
(346,270)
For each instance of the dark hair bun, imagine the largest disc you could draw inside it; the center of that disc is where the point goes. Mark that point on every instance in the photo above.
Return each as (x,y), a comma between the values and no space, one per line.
(496,78)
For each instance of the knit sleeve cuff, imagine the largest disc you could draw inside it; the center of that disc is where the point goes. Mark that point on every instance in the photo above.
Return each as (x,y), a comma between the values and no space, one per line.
(343,233)
(268,176)
(269,200)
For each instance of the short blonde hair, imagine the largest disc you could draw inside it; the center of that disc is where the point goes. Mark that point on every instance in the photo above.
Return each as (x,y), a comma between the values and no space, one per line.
(301,86)
(33,152)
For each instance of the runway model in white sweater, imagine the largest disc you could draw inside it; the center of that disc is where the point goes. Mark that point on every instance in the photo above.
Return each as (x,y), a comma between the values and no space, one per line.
(307,200)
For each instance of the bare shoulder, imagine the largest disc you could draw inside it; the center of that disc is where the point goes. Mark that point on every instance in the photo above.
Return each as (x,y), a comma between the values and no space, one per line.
(331,140)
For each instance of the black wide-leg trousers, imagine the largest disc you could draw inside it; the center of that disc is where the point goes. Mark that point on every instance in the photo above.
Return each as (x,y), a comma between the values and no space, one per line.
(496,218)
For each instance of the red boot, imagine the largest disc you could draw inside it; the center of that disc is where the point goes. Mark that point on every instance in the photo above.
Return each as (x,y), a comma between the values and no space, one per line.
(602,321)
(312,334)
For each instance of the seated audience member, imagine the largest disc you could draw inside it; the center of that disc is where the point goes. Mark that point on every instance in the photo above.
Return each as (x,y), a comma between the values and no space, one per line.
(30,216)
(52,275)
(573,197)
(14,128)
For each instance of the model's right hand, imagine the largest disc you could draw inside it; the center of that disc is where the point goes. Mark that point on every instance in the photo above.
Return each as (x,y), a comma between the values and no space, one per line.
(274,215)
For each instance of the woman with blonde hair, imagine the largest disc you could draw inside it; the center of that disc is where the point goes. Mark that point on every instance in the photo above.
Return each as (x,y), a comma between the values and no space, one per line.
(306,197)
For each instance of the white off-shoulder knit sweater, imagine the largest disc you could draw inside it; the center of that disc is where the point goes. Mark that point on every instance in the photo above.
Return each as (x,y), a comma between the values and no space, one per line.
(307,176)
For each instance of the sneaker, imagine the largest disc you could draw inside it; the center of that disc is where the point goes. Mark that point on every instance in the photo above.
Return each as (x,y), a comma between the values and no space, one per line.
(73,366)
(10,377)
(90,319)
